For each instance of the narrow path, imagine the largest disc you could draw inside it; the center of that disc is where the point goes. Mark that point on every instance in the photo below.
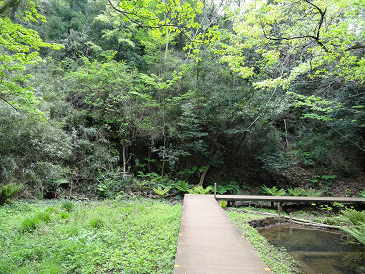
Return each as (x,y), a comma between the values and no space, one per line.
(210,243)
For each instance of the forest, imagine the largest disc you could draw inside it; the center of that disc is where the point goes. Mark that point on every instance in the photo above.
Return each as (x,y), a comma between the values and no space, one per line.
(98,97)
(108,106)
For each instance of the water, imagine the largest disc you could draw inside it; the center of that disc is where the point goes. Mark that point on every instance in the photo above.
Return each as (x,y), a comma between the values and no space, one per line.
(318,251)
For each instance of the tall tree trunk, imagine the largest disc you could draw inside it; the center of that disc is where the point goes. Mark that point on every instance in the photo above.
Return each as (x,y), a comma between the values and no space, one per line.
(203,175)
(167,44)
(210,155)
(164,136)
(124,159)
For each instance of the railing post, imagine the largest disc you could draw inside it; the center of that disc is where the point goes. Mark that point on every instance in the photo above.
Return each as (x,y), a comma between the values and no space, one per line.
(215,190)
(279,208)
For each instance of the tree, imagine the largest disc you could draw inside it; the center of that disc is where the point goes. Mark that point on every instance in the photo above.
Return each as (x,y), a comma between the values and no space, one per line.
(166,15)
(19,48)
(311,49)
(312,37)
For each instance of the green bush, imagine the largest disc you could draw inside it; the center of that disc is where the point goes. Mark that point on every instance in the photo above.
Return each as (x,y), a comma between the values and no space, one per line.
(7,192)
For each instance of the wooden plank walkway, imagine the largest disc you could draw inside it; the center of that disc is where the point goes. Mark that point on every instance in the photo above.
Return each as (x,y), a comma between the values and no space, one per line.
(289,199)
(210,243)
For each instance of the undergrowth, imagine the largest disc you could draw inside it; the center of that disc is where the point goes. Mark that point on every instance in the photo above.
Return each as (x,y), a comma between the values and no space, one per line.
(138,236)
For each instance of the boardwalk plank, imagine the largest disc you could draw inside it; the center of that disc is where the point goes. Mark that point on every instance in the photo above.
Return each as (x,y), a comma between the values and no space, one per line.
(210,243)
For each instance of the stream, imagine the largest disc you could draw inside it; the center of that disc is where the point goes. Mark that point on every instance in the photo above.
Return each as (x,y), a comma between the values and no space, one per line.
(318,251)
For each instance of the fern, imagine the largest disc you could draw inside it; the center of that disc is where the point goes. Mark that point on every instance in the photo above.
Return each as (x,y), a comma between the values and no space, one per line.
(274,191)
(296,191)
(200,190)
(311,192)
(221,189)
(161,192)
(355,217)
(7,192)
(232,187)
(357,232)
(362,194)
(182,186)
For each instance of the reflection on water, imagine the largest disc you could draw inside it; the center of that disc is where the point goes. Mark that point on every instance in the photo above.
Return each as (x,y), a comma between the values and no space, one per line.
(318,251)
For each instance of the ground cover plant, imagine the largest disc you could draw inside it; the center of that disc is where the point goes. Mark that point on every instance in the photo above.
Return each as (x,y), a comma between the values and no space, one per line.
(125,236)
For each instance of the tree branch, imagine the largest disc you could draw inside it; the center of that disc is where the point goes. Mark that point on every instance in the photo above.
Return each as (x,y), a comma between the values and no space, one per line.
(361,148)
(10,104)
(356,47)
(315,38)
(7,5)
(141,25)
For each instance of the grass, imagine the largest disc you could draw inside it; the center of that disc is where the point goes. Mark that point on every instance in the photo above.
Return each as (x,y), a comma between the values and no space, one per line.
(278,260)
(138,236)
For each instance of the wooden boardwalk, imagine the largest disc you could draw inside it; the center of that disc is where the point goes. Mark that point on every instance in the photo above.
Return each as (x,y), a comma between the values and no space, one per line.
(289,199)
(210,243)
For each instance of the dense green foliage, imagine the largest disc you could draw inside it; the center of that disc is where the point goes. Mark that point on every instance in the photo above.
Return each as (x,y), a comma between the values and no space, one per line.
(96,93)
(137,236)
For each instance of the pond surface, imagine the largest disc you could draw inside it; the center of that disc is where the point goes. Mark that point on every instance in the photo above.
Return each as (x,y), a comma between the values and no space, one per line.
(318,251)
